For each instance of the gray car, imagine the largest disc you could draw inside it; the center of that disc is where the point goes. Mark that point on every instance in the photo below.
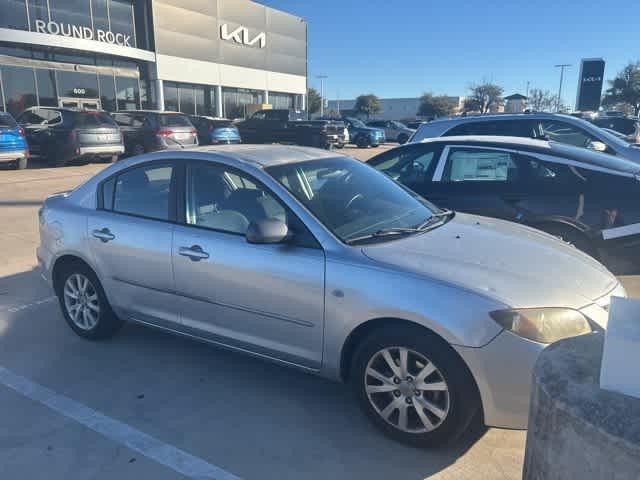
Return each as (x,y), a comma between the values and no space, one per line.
(320,262)
(546,126)
(393,130)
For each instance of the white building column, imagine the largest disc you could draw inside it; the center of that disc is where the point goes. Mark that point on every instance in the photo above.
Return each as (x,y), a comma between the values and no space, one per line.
(159,86)
(219,101)
(266,96)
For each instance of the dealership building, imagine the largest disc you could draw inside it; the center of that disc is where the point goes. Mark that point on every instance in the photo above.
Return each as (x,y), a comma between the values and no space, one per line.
(205,57)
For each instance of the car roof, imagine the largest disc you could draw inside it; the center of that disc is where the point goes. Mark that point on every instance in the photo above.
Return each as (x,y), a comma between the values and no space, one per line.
(500,116)
(267,155)
(545,147)
(158,112)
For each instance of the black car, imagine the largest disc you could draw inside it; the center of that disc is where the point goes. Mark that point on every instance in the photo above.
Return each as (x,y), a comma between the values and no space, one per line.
(589,199)
(151,130)
(215,131)
(62,135)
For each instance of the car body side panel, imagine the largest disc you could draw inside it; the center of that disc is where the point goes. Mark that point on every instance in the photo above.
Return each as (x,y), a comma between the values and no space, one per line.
(356,293)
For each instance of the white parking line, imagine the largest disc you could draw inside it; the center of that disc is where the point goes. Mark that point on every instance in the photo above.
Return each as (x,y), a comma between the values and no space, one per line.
(163,453)
(19,308)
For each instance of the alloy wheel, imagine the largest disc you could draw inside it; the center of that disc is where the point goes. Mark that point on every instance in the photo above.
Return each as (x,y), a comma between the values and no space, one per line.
(407,390)
(81,301)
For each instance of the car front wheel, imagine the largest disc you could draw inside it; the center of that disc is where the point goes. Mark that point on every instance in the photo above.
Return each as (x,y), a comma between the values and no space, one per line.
(414,387)
(84,303)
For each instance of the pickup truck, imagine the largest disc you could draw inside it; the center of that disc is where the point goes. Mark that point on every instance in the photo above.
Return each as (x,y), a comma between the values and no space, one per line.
(284,126)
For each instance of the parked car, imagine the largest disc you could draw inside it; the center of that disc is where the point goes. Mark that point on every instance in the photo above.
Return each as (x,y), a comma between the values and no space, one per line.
(627,126)
(62,135)
(319,262)
(587,198)
(285,126)
(549,126)
(151,130)
(361,135)
(393,130)
(215,131)
(13,145)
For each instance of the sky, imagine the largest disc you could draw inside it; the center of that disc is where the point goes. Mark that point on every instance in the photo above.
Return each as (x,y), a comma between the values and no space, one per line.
(405,48)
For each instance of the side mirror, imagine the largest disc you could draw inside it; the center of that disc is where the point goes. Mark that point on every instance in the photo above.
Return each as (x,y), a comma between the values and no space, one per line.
(268,230)
(597,146)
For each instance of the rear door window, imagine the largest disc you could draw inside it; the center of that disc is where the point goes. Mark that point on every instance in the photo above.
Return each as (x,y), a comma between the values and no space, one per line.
(143,192)
(480,165)
(563,132)
(508,128)
(173,120)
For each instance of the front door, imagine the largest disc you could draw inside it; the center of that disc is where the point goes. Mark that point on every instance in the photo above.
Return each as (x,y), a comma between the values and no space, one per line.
(81,103)
(267,299)
(130,239)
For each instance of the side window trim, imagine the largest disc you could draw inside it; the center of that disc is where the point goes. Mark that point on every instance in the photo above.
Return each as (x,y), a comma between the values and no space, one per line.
(176,175)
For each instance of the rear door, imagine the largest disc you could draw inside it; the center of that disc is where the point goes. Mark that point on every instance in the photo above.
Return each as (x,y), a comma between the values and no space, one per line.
(479,180)
(130,238)
(35,125)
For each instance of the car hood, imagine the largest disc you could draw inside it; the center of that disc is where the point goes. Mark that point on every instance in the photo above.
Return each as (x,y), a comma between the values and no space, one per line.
(515,265)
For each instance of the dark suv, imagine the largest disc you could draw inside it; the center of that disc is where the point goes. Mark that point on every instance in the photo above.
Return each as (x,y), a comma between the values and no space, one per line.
(62,135)
(151,130)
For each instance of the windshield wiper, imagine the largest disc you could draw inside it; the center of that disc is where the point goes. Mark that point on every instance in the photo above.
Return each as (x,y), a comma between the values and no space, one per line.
(435,218)
(175,141)
(385,232)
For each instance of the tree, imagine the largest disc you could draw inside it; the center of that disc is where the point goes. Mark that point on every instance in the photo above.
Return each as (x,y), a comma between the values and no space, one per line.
(484,97)
(625,88)
(313,100)
(434,105)
(367,104)
(541,100)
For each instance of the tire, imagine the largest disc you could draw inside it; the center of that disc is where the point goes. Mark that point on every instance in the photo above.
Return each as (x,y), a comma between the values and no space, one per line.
(57,160)
(403,138)
(21,163)
(111,159)
(96,324)
(362,142)
(448,412)
(572,237)
(339,145)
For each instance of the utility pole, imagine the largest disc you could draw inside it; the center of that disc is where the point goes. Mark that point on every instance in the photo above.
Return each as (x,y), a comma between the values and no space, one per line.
(527,91)
(322,77)
(561,66)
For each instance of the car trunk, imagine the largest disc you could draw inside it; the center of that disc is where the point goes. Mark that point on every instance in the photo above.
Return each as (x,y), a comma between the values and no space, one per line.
(95,129)
(10,140)
(177,129)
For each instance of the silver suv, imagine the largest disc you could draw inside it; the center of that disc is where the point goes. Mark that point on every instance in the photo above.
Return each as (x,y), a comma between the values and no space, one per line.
(547,126)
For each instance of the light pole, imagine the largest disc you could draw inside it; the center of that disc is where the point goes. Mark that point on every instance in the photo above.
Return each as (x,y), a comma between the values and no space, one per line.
(562,66)
(322,77)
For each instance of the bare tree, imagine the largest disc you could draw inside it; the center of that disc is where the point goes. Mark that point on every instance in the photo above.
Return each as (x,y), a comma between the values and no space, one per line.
(541,100)
(484,97)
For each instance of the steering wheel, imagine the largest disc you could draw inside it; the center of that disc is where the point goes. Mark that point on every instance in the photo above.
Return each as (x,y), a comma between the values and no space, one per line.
(353,199)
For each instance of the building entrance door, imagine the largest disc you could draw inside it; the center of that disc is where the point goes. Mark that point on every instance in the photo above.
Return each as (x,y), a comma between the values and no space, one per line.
(81,103)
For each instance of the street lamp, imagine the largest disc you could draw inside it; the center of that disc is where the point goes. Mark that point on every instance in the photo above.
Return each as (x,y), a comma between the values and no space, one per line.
(322,77)
(562,66)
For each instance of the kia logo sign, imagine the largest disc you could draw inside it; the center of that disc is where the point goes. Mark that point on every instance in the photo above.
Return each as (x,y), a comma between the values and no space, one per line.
(84,33)
(241,36)
(591,79)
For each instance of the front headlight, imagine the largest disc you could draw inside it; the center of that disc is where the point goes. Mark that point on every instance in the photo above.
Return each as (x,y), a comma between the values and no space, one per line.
(544,325)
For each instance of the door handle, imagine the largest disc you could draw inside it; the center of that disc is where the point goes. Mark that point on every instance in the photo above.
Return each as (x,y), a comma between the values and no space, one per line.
(194,252)
(105,235)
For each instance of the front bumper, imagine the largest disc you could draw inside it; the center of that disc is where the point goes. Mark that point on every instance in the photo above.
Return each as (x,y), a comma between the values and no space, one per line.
(101,150)
(12,156)
(503,368)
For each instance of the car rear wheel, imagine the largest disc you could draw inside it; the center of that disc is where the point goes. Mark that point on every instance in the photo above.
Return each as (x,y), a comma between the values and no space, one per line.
(137,149)
(84,304)
(402,138)
(414,387)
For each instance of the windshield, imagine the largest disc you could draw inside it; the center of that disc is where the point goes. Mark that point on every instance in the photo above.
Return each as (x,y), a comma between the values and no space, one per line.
(608,137)
(357,123)
(352,199)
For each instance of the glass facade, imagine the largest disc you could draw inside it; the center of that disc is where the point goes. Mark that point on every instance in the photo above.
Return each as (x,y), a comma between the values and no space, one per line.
(19,88)
(117,16)
(236,100)
(189,99)
(282,100)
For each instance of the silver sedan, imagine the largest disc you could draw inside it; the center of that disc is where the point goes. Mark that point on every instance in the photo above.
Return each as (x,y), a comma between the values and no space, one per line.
(319,262)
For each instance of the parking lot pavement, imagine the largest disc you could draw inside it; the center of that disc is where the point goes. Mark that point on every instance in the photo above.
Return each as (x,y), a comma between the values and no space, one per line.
(149,405)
